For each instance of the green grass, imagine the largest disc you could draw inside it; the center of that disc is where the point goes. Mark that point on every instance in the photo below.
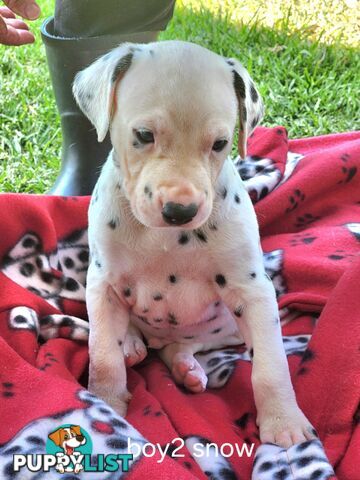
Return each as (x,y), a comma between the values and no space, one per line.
(302,55)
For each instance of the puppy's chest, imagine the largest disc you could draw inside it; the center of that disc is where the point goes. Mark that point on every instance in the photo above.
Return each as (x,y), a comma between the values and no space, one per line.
(165,288)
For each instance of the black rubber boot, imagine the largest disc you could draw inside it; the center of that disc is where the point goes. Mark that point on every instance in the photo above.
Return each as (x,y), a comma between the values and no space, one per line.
(82,155)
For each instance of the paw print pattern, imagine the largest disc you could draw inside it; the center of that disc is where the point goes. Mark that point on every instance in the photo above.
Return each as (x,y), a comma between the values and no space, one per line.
(64,326)
(109,433)
(147,411)
(340,255)
(49,361)
(295,199)
(348,171)
(24,318)
(260,175)
(212,463)
(50,326)
(354,228)
(302,239)
(7,390)
(219,365)
(60,274)
(306,460)
(306,220)
(307,357)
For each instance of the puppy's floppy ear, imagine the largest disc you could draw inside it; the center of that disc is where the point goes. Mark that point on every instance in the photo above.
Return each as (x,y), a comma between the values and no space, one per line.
(55,437)
(94,87)
(250,104)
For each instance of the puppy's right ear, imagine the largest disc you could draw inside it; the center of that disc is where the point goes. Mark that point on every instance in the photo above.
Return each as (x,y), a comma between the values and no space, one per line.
(94,87)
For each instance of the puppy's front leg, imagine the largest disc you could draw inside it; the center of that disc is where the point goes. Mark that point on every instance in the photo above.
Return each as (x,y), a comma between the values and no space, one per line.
(109,321)
(279,418)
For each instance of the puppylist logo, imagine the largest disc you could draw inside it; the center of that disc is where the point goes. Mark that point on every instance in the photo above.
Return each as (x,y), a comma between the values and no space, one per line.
(69,450)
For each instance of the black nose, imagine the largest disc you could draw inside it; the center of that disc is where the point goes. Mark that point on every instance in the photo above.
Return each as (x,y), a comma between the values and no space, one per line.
(79,438)
(178,214)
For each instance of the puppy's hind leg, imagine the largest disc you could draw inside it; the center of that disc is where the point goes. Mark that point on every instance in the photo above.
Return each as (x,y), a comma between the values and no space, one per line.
(134,348)
(185,369)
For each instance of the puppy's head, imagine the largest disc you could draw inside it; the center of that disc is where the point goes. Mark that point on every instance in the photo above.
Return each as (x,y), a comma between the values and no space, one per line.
(171,108)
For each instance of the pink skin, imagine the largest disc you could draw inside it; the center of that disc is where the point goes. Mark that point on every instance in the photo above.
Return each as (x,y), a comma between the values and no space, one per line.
(14,31)
(188,372)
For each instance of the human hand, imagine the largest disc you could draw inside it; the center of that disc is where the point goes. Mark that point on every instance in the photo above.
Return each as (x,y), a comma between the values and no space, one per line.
(14,31)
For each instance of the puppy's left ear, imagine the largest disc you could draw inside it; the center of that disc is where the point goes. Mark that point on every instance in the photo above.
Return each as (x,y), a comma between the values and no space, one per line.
(250,104)
(94,87)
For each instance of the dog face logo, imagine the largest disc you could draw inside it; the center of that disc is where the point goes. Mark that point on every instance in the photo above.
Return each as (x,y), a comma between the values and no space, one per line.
(67,439)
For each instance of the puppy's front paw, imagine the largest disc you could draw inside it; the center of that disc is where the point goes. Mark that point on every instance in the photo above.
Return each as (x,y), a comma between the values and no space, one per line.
(118,402)
(285,427)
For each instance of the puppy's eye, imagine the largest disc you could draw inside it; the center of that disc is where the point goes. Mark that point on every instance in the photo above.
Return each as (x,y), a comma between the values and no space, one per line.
(144,136)
(66,437)
(219,145)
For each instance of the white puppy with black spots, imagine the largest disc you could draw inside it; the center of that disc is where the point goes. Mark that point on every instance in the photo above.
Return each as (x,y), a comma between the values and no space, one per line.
(174,241)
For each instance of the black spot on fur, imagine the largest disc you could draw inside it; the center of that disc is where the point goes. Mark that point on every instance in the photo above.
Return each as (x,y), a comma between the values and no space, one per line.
(220,280)
(157,297)
(97,264)
(223,193)
(251,352)
(67,322)
(122,66)
(172,279)
(253,275)
(183,238)
(127,292)
(253,93)
(189,337)
(217,330)
(172,319)
(239,85)
(224,374)
(120,342)
(113,224)
(238,311)
(237,198)
(158,320)
(83,256)
(201,236)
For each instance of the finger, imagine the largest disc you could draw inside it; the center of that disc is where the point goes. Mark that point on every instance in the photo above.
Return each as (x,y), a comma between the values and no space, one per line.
(16,37)
(16,23)
(26,8)
(3,27)
(6,12)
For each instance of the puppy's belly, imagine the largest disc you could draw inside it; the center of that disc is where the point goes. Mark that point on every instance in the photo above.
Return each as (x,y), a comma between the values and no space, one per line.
(213,327)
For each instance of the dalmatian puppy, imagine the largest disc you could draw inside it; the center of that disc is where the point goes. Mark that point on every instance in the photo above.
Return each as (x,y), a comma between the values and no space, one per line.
(174,241)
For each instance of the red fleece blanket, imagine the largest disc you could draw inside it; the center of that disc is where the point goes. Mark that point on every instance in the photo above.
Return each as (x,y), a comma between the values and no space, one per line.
(307,195)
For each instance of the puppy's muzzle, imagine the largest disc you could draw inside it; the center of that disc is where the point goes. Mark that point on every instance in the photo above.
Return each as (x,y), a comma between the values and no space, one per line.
(178,214)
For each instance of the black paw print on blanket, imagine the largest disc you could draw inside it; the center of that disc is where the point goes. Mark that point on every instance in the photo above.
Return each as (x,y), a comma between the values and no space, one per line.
(295,199)
(348,171)
(302,238)
(306,219)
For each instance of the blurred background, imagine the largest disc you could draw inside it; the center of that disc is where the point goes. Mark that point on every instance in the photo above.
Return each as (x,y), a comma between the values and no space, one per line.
(303,55)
